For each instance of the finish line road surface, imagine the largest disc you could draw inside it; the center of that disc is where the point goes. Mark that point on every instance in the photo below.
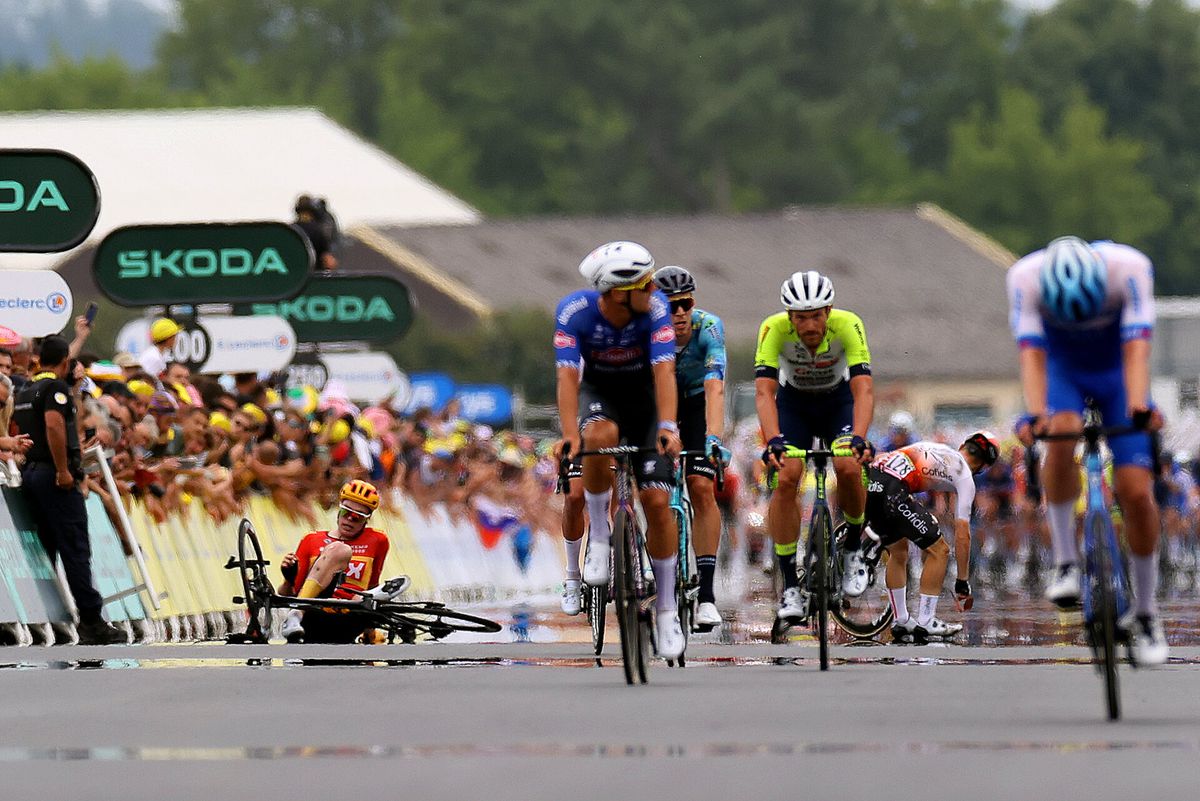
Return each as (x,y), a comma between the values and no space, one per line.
(543,721)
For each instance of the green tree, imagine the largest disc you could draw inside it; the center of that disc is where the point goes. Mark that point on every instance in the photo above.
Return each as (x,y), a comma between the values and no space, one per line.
(1025,183)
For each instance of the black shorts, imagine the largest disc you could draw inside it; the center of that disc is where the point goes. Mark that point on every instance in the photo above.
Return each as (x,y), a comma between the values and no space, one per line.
(693,431)
(894,514)
(634,411)
(804,415)
(331,627)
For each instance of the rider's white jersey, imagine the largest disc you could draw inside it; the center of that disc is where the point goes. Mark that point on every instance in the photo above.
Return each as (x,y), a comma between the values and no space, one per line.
(932,467)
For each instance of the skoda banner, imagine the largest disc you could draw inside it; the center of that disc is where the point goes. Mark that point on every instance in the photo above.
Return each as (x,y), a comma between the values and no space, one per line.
(34,303)
(344,308)
(485,403)
(221,344)
(368,377)
(429,391)
(49,201)
(144,265)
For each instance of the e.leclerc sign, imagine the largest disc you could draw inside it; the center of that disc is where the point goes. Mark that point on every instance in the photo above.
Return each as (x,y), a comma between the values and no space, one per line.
(49,201)
(142,265)
(34,303)
(344,308)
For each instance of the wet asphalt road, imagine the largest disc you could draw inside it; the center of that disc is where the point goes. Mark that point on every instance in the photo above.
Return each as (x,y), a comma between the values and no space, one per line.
(542,721)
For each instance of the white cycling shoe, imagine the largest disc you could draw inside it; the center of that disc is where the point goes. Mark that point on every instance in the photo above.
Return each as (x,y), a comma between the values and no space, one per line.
(793,607)
(572,597)
(671,641)
(707,617)
(390,589)
(854,574)
(937,629)
(595,564)
(293,629)
(1149,642)
(1064,591)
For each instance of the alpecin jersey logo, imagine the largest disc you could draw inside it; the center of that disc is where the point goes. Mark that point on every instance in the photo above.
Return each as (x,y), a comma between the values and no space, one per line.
(563,340)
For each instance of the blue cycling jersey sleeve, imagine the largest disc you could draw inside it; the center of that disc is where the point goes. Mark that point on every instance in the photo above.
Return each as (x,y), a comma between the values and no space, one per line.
(712,341)
(662,333)
(569,319)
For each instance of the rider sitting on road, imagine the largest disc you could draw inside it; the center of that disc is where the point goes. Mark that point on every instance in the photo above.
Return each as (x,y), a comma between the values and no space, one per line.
(353,549)
(898,518)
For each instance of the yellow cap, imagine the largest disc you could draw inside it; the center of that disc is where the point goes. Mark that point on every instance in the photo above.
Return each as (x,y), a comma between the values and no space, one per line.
(338,431)
(163,329)
(367,427)
(256,413)
(221,421)
(140,388)
(273,398)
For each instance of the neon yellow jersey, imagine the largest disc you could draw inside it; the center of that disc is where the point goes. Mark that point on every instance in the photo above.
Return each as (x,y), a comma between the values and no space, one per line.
(842,355)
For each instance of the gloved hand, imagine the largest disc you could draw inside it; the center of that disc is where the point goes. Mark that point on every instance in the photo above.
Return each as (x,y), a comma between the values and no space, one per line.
(775,447)
(962,594)
(725,454)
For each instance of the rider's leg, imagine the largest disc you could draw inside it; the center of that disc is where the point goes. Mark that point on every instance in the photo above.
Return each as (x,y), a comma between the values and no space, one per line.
(896,578)
(1134,489)
(1060,478)
(573,525)
(333,559)
(662,543)
(783,519)
(852,499)
(933,574)
(597,478)
(706,533)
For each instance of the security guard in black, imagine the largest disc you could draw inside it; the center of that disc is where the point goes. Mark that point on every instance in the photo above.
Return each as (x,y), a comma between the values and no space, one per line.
(45,410)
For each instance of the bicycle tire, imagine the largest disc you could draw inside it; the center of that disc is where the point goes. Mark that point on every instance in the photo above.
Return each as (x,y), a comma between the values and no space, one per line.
(820,532)
(438,623)
(626,602)
(597,601)
(645,636)
(682,602)
(860,617)
(1104,617)
(256,587)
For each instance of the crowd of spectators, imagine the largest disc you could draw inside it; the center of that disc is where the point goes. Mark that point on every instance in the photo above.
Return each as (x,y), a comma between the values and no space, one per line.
(174,438)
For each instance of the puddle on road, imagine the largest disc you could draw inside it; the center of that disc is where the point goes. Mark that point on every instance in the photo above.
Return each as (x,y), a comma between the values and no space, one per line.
(585,750)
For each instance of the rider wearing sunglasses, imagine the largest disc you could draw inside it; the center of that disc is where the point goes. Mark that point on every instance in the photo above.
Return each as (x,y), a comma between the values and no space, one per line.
(352,548)
(700,382)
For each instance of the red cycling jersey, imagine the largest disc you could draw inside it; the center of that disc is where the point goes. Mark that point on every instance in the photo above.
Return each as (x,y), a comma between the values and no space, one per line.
(366,564)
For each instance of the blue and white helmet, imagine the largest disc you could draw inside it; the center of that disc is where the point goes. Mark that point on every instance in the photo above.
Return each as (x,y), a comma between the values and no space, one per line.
(616,264)
(1074,280)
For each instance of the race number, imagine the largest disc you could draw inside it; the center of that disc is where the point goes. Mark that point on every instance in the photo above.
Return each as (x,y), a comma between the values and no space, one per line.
(897,465)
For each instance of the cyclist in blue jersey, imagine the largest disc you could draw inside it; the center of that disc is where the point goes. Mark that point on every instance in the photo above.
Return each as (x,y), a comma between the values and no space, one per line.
(615,363)
(700,384)
(1083,316)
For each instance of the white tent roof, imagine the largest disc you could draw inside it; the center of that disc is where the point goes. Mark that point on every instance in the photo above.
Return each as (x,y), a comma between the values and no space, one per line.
(207,165)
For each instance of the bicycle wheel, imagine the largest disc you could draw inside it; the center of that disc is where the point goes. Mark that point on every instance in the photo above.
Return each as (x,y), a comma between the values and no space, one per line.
(818,538)
(682,601)
(437,623)
(1104,614)
(869,615)
(626,599)
(597,600)
(252,569)
(645,635)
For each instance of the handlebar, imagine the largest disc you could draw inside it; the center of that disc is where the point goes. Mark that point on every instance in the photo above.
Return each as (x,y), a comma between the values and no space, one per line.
(564,462)
(792,452)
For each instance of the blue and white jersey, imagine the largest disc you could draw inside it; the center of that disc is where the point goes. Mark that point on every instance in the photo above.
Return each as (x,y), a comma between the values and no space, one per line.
(703,357)
(1095,345)
(582,337)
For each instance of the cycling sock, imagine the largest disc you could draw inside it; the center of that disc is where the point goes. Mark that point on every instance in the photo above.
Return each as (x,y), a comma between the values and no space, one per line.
(926,609)
(597,508)
(664,583)
(786,555)
(311,589)
(854,527)
(899,598)
(1062,532)
(706,566)
(1145,583)
(573,549)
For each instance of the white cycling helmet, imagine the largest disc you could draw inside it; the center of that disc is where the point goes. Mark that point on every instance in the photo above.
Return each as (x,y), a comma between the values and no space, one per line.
(806,291)
(675,280)
(616,264)
(902,421)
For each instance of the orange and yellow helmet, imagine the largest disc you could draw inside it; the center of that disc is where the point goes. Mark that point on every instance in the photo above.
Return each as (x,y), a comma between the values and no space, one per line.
(360,491)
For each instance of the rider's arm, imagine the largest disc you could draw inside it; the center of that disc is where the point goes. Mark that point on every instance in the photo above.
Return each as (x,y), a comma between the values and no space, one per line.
(712,336)
(964,496)
(1025,321)
(766,377)
(568,399)
(665,394)
(1135,274)
(1135,359)
(862,387)
(1032,361)
(962,549)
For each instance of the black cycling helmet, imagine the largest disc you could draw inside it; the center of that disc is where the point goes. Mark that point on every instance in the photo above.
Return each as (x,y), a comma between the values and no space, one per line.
(984,445)
(675,281)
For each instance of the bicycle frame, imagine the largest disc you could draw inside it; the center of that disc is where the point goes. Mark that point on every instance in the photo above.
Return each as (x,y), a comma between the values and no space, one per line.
(1097,511)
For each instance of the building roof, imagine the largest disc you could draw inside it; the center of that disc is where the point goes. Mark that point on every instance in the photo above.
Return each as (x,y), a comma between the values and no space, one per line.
(186,165)
(929,289)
